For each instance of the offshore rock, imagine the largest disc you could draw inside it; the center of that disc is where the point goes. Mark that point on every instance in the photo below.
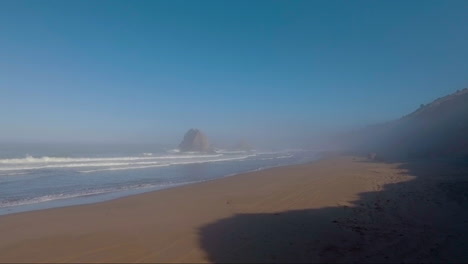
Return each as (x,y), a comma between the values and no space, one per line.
(195,140)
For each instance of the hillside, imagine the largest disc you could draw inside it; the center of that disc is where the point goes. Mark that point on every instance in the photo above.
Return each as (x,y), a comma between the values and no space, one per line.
(438,129)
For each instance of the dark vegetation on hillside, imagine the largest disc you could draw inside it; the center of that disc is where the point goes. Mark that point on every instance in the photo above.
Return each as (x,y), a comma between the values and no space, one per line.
(435,130)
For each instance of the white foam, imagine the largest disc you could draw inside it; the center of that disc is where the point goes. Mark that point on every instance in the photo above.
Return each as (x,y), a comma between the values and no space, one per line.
(46,159)
(50,197)
(279,157)
(125,168)
(13,173)
(222,151)
(61,196)
(120,163)
(76,165)
(135,166)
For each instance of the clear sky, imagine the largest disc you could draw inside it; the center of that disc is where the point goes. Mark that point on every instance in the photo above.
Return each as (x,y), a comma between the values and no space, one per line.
(150,70)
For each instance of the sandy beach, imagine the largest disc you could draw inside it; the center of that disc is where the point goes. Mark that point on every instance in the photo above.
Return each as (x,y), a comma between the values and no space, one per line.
(338,209)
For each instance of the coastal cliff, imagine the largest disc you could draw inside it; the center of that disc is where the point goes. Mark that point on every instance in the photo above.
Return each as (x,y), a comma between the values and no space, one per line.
(438,129)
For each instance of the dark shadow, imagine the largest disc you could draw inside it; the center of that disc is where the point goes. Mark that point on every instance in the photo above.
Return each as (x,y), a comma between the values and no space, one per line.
(422,220)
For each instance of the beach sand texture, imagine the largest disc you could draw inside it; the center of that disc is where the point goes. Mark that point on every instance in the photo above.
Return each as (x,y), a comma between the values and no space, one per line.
(338,209)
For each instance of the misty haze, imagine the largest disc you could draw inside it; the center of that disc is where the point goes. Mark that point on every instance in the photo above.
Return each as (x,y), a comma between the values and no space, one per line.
(234,131)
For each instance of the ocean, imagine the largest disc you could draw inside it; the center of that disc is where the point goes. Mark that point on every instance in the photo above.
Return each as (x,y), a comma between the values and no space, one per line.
(41,176)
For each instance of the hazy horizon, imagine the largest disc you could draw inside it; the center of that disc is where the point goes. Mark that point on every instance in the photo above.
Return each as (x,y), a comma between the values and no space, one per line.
(274,73)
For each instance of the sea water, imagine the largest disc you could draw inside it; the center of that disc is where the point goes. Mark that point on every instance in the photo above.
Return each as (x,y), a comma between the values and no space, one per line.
(34,177)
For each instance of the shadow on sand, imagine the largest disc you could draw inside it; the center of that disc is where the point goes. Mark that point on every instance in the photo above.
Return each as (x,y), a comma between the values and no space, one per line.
(422,220)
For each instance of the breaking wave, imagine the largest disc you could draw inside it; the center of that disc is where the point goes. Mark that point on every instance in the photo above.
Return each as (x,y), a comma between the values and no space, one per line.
(14,166)
(31,159)
(149,165)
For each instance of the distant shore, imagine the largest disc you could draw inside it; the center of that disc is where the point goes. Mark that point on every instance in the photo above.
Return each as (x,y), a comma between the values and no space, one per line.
(341,208)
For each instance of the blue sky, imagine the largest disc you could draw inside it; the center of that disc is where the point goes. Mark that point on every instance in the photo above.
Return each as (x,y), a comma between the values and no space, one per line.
(284,70)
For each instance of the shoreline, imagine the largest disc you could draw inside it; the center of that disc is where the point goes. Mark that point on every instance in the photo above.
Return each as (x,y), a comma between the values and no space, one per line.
(335,209)
(320,155)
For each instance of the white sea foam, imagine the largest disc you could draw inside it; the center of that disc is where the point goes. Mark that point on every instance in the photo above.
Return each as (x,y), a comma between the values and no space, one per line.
(279,157)
(135,165)
(46,159)
(114,163)
(18,166)
(76,165)
(61,196)
(50,197)
(13,173)
(222,151)
(126,168)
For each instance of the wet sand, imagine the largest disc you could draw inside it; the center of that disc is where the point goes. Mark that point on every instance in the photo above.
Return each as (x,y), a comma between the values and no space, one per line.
(338,209)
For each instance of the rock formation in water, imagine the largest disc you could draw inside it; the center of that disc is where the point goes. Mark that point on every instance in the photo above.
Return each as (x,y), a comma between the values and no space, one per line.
(195,140)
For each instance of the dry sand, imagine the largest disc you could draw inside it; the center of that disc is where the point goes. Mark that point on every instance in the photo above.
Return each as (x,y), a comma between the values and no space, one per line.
(337,209)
